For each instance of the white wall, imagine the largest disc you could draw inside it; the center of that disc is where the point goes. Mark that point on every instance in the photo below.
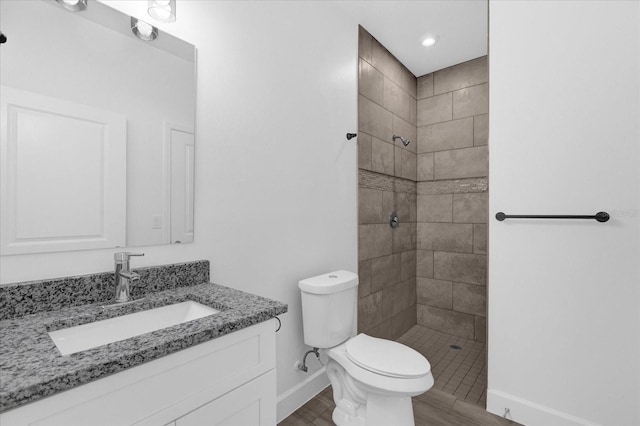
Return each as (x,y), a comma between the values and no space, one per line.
(564,297)
(275,176)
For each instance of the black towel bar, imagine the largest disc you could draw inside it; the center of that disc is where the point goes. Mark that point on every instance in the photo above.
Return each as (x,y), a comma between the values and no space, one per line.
(600,216)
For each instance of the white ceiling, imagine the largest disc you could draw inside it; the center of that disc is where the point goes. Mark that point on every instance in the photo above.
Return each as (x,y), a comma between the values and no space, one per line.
(400,26)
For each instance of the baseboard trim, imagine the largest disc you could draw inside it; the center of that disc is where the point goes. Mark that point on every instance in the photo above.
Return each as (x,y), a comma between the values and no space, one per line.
(529,413)
(300,394)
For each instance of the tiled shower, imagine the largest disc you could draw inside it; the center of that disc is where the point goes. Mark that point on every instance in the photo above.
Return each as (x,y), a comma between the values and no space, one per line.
(431,270)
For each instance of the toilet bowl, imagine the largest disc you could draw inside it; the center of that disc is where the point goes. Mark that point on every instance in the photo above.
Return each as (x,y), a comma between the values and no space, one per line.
(373,379)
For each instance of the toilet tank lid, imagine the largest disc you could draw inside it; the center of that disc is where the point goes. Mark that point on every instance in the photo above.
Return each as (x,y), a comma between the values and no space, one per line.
(333,282)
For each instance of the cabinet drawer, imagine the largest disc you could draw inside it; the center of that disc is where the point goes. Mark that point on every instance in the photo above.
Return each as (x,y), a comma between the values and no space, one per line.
(251,404)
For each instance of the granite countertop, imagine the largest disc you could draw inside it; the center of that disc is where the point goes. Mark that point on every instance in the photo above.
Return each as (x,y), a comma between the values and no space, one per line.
(31,366)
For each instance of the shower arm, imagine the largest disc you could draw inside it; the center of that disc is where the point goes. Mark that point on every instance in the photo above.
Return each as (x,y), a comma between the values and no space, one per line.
(404,141)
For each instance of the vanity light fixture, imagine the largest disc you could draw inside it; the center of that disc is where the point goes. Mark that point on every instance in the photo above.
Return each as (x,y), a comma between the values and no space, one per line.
(73,5)
(429,41)
(143,30)
(162,10)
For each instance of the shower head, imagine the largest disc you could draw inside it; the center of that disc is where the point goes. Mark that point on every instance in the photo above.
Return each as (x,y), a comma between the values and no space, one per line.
(405,141)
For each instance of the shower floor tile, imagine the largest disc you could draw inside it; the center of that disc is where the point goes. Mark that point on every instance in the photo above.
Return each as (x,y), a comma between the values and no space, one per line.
(459,372)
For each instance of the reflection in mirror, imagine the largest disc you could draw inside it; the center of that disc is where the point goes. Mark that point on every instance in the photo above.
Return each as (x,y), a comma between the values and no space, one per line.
(97,131)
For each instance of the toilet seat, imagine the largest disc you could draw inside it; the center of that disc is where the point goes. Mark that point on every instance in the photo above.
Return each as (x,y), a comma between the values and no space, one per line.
(386,357)
(380,383)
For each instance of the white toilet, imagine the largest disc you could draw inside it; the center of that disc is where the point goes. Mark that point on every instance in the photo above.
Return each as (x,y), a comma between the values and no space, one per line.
(373,379)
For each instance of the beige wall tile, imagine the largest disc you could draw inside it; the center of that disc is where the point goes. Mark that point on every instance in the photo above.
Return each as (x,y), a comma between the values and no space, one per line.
(480,324)
(435,208)
(364,44)
(471,208)
(424,263)
(383,60)
(364,278)
(370,82)
(370,311)
(399,297)
(435,109)
(385,272)
(461,163)
(452,237)
(453,186)
(404,237)
(374,241)
(406,130)
(384,330)
(402,207)
(399,102)
(470,299)
(369,206)
(460,267)
(364,151)
(408,168)
(435,292)
(471,101)
(373,119)
(382,158)
(447,135)
(466,74)
(388,205)
(397,158)
(480,238)
(402,322)
(481,130)
(408,265)
(413,204)
(455,323)
(424,166)
(409,82)
(425,86)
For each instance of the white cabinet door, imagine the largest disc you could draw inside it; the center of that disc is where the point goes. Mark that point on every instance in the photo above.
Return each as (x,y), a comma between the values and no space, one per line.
(252,404)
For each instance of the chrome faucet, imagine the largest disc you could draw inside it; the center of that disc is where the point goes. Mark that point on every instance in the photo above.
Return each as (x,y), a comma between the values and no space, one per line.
(124,276)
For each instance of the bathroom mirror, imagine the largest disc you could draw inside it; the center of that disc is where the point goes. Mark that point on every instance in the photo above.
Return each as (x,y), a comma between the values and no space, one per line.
(97,131)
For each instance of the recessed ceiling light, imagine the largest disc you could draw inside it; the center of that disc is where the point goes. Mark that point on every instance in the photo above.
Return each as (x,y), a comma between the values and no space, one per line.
(429,41)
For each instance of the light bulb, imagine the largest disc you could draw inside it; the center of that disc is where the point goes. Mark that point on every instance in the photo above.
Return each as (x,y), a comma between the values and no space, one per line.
(144,29)
(162,10)
(162,13)
(429,41)
(71,2)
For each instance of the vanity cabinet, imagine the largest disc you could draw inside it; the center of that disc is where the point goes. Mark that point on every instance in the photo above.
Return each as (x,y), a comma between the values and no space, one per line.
(246,405)
(229,380)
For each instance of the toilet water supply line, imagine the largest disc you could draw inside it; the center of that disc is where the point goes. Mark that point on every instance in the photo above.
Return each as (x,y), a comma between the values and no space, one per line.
(303,366)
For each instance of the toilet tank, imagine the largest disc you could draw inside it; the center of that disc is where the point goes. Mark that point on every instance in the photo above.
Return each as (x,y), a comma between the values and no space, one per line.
(328,308)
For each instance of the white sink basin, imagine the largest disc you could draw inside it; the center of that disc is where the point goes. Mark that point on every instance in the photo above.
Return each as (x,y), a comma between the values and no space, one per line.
(82,337)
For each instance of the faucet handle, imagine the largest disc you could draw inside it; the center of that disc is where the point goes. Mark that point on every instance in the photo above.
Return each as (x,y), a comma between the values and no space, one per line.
(124,256)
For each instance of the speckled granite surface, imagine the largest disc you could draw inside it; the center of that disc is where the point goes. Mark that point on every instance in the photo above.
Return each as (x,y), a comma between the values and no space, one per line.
(47,295)
(32,368)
